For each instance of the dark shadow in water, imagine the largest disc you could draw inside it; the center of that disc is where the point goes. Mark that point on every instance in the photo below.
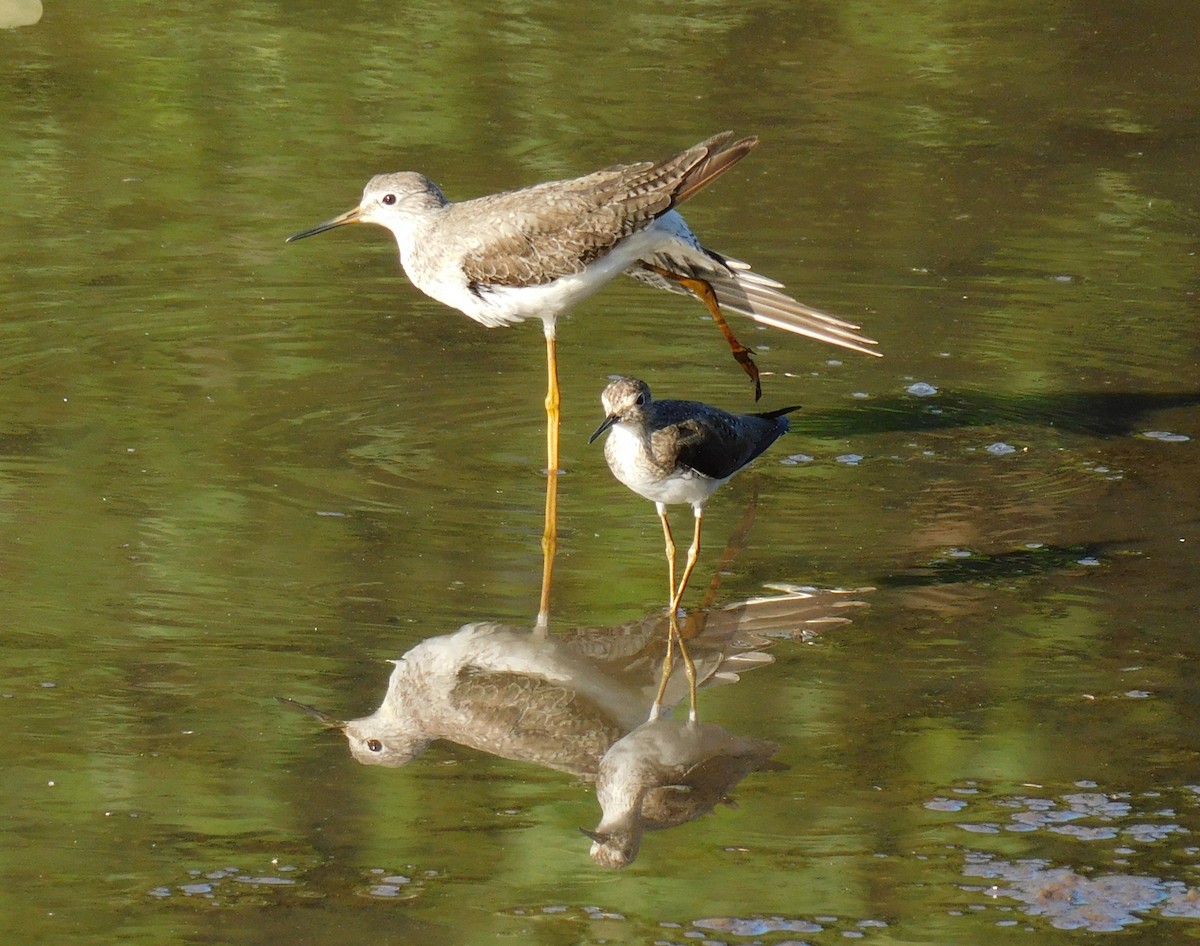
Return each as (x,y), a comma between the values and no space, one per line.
(567,701)
(1099,413)
(981,568)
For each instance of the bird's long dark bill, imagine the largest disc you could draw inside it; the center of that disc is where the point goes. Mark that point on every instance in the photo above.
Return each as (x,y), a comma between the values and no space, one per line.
(594,835)
(608,422)
(350,216)
(312,711)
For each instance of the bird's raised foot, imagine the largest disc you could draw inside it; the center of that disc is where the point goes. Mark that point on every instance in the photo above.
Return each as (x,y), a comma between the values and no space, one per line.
(742,355)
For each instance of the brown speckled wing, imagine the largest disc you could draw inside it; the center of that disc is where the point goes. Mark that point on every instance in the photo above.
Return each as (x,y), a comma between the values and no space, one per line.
(531,719)
(540,233)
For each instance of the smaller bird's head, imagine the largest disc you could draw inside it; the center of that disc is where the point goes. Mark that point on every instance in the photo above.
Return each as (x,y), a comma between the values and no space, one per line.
(396,201)
(614,849)
(623,400)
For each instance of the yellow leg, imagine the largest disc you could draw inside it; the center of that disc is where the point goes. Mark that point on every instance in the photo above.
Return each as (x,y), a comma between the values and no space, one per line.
(550,529)
(703,291)
(668,660)
(688,666)
(692,556)
(670,543)
(674,634)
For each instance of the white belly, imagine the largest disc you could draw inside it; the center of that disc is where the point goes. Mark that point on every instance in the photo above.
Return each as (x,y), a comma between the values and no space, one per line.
(630,462)
(505,305)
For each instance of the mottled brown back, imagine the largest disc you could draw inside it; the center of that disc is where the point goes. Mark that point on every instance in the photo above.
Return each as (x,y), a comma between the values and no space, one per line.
(540,233)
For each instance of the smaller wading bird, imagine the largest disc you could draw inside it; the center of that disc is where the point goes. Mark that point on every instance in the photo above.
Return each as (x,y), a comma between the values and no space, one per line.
(679,452)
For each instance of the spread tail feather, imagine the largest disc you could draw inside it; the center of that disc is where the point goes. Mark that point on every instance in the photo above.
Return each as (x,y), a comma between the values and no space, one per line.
(768,306)
(739,289)
(712,159)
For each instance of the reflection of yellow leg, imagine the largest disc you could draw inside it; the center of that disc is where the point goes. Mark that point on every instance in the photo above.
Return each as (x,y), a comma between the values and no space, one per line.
(675,635)
(688,666)
(550,530)
(656,706)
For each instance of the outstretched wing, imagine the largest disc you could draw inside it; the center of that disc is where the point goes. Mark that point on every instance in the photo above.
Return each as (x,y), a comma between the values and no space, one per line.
(540,233)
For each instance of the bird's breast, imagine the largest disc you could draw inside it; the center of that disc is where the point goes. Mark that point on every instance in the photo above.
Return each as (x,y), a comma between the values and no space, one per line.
(632,462)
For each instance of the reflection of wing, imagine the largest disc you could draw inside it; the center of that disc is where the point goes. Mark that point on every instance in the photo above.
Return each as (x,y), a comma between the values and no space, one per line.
(531,719)
(797,611)
(705,785)
(634,653)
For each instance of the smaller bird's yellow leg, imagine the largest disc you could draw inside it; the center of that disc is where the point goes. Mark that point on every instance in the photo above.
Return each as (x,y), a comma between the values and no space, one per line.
(670,545)
(692,556)
(672,634)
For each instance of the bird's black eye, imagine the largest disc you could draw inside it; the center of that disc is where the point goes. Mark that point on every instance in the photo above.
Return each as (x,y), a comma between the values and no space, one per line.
(389,199)
(374,745)
(641,400)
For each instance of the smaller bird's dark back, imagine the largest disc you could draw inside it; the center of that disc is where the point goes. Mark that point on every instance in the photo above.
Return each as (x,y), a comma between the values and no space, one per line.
(720,443)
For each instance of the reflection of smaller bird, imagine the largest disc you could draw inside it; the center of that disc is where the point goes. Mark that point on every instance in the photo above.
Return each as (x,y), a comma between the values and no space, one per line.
(679,452)
(666,773)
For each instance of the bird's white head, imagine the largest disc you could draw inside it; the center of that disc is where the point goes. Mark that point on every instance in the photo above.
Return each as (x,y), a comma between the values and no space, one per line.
(372,744)
(397,201)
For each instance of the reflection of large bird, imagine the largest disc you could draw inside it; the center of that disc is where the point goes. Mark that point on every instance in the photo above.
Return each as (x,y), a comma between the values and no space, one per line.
(522,695)
(664,774)
(562,700)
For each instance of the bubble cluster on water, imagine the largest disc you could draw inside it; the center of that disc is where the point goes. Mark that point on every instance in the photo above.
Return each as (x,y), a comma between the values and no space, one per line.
(1104,903)
(1102,469)
(765,926)
(387,885)
(233,884)
(757,926)
(1100,894)
(712,930)
(945,804)
(1165,436)
(218,883)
